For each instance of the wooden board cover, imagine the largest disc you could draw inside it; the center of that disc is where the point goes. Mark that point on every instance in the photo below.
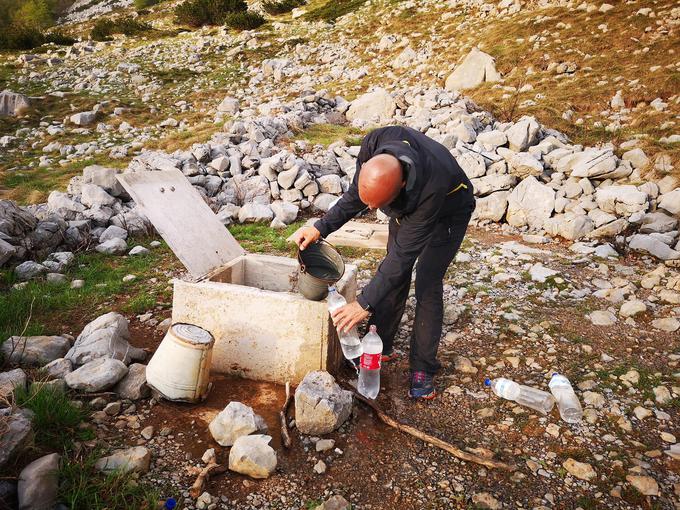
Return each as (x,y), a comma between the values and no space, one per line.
(183,219)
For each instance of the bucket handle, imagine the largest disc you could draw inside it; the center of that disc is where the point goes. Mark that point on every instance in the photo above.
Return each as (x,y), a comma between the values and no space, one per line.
(303,268)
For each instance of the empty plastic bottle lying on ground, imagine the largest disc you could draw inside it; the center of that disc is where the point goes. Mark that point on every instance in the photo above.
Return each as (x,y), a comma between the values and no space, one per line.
(535,399)
(567,401)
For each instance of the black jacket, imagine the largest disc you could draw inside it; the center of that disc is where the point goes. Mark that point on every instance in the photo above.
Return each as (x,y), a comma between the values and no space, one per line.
(436,187)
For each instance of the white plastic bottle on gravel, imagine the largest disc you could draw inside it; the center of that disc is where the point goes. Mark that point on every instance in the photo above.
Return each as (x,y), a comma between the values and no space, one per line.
(369,369)
(535,399)
(349,341)
(567,401)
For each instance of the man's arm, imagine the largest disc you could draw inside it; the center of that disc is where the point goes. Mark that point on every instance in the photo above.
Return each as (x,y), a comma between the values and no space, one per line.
(414,233)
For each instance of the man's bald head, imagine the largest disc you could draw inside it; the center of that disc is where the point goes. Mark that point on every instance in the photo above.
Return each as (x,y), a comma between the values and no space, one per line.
(380,180)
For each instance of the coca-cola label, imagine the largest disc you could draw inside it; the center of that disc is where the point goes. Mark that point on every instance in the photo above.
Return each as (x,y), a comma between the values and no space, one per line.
(370,361)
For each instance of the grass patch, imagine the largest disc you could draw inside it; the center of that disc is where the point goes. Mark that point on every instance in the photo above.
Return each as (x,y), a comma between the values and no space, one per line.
(103,276)
(259,237)
(83,487)
(56,418)
(274,7)
(333,9)
(326,134)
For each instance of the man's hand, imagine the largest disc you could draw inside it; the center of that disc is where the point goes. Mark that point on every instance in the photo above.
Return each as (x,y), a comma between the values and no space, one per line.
(348,316)
(306,236)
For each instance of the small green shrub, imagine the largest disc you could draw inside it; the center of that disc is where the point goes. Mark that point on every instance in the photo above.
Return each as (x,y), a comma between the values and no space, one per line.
(244,20)
(59,38)
(56,418)
(104,28)
(275,7)
(20,38)
(196,13)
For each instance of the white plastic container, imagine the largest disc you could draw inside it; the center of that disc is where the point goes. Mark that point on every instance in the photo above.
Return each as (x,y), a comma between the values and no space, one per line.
(567,401)
(180,367)
(533,398)
(371,360)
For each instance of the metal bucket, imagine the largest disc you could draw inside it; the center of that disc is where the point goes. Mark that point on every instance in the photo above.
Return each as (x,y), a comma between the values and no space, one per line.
(320,266)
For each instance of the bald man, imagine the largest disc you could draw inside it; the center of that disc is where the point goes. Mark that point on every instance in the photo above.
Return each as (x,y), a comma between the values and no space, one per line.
(429,199)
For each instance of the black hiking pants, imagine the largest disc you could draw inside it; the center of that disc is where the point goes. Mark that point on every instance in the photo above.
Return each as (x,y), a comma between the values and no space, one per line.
(430,270)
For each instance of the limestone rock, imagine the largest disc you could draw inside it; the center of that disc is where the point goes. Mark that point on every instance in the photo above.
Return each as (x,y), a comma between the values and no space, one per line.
(59,368)
(645,485)
(106,336)
(621,200)
(581,470)
(252,456)
(373,107)
(602,318)
(39,483)
(284,211)
(476,68)
(671,202)
(523,134)
(632,308)
(98,375)
(114,246)
(136,459)
(530,203)
(29,270)
(670,324)
(492,207)
(11,380)
(648,244)
(234,421)
(16,433)
(334,503)
(255,213)
(104,177)
(321,406)
(229,105)
(133,386)
(486,500)
(13,103)
(35,350)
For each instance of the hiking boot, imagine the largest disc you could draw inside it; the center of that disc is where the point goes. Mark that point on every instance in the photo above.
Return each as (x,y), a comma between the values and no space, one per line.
(422,386)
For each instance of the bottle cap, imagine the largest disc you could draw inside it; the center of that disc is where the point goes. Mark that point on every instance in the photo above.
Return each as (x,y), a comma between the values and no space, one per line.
(555,374)
(487,382)
(331,288)
(373,328)
(170,503)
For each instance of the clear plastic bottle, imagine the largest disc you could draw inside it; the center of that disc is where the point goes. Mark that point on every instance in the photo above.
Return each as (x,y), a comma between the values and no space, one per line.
(349,341)
(535,399)
(567,401)
(369,369)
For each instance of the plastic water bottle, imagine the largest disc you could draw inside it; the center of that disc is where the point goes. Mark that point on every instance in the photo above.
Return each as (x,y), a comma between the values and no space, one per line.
(369,368)
(535,399)
(349,341)
(567,401)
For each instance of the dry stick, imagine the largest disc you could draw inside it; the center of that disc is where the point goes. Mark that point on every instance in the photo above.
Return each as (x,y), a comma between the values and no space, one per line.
(211,469)
(285,436)
(456,452)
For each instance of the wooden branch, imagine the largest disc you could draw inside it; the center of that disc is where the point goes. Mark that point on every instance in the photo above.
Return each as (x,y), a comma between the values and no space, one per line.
(211,469)
(456,452)
(285,436)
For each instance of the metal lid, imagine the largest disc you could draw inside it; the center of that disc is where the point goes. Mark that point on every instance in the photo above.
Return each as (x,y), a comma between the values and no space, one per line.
(181,216)
(192,334)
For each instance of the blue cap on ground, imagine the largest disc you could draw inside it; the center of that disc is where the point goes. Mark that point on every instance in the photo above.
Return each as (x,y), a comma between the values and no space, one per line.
(170,503)
(487,382)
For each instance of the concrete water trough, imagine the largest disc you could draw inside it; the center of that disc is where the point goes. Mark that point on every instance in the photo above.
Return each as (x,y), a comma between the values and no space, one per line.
(263,328)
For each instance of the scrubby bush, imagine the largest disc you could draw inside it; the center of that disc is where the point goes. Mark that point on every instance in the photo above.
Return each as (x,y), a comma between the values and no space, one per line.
(196,13)
(59,38)
(244,20)
(275,7)
(22,23)
(20,38)
(104,28)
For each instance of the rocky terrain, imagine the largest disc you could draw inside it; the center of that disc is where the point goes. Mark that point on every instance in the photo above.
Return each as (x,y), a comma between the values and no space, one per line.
(571,264)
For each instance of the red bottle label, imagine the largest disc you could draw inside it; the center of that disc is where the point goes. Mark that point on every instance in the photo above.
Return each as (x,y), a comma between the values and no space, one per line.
(370,361)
